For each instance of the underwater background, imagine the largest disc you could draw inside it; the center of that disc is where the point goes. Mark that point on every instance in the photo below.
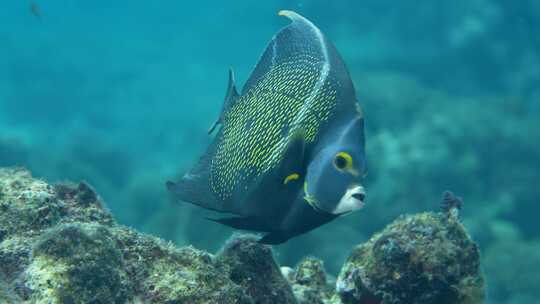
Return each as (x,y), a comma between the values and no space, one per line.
(121,94)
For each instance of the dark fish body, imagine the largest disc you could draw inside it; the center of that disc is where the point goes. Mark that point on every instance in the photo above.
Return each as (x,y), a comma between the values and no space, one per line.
(276,161)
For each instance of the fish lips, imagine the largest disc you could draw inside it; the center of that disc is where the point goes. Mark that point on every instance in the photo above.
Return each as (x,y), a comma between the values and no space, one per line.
(352,200)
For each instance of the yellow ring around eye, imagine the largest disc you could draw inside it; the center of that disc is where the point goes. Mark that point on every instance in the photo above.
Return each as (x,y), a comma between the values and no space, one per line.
(348,161)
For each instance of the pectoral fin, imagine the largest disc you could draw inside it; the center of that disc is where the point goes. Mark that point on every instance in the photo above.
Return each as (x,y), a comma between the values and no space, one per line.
(272,193)
(292,168)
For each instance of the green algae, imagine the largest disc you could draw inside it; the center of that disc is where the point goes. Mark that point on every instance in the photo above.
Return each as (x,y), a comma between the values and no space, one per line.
(77,263)
(423,258)
(309,282)
(59,244)
(252,266)
(6,295)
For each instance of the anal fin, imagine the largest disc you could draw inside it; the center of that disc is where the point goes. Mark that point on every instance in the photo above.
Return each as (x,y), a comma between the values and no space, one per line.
(244,223)
(274,238)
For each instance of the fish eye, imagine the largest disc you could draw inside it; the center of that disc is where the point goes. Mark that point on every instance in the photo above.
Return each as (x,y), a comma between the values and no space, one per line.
(343,161)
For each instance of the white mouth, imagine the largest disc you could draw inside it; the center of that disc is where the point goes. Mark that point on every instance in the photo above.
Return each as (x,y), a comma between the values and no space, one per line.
(350,202)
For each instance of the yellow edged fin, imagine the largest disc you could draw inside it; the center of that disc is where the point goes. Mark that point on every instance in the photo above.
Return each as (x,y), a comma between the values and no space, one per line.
(286,13)
(291,177)
(293,16)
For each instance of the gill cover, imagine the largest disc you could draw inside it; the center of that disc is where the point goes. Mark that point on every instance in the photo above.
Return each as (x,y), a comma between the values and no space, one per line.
(334,177)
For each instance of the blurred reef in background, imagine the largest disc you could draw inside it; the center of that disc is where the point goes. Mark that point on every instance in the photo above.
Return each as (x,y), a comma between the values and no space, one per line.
(121,95)
(58,244)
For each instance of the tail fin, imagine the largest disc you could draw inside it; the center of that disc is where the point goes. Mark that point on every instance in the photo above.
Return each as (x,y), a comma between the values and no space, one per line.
(194,186)
(193,190)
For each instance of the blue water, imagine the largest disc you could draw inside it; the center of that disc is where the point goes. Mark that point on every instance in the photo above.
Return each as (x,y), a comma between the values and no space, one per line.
(121,94)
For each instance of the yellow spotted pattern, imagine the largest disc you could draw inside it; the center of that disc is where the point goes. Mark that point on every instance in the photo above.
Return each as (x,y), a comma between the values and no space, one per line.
(258,126)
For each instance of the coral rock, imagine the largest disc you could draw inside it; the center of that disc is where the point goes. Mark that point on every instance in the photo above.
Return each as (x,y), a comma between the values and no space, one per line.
(309,282)
(77,263)
(252,266)
(61,245)
(424,258)
(6,295)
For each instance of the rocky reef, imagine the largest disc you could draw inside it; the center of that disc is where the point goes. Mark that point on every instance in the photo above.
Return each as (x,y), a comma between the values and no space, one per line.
(426,258)
(59,244)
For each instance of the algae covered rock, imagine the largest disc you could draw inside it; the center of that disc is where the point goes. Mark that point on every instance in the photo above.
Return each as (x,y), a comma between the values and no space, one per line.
(6,295)
(77,263)
(14,256)
(252,266)
(309,282)
(28,206)
(165,274)
(423,258)
(59,244)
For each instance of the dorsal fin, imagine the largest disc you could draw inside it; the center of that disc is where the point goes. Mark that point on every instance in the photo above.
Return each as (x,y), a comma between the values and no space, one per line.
(294,41)
(295,17)
(230,98)
(302,45)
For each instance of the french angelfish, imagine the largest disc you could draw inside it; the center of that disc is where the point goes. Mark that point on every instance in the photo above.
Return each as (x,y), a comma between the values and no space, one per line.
(288,155)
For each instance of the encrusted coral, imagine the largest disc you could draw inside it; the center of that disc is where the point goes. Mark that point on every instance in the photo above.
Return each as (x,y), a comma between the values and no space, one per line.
(309,282)
(423,258)
(58,244)
(252,266)
(73,259)
(6,295)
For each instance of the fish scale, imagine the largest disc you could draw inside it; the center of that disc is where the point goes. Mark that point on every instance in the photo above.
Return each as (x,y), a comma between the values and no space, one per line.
(273,103)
